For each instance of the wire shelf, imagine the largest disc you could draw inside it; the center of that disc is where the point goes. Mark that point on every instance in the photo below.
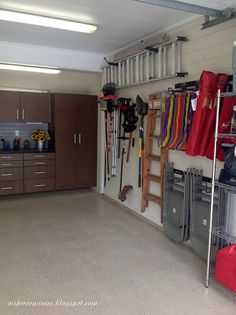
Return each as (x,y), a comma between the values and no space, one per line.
(226,187)
(223,288)
(220,232)
(225,135)
(228,94)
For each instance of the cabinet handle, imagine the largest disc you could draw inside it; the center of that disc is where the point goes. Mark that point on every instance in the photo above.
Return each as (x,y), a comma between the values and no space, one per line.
(6,174)
(39,185)
(23,114)
(39,156)
(6,164)
(75,138)
(39,172)
(6,157)
(17,114)
(39,163)
(80,139)
(7,188)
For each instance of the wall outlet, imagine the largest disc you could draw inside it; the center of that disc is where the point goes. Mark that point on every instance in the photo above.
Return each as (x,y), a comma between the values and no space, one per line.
(17,133)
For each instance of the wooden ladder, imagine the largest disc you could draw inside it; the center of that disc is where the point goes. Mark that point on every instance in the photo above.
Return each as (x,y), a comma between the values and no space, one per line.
(153,116)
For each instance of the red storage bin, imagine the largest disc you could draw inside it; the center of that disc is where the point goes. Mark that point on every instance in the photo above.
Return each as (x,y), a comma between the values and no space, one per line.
(226,267)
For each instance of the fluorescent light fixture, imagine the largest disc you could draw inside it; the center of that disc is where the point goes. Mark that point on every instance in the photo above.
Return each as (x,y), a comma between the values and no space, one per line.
(14,89)
(39,20)
(28,68)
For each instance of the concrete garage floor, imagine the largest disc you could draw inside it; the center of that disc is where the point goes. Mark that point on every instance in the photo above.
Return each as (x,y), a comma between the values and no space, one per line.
(78,247)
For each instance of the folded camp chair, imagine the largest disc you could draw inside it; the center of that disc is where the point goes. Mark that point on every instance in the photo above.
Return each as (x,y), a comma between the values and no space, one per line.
(200,201)
(176,204)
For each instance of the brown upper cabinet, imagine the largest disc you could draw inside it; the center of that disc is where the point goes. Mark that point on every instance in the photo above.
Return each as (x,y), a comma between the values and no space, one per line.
(9,106)
(25,107)
(35,107)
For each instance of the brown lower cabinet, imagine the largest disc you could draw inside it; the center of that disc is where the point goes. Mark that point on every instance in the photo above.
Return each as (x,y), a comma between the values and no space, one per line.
(36,185)
(26,173)
(74,126)
(11,187)
(11,174)
(39,172)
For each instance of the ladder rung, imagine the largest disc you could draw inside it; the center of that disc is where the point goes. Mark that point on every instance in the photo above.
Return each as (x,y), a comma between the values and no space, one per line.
(153,157)
(153,137)
(153,198)
(154,116)
(154,178)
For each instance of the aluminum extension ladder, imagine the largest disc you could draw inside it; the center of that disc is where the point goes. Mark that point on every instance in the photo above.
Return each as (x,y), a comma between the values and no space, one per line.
(152,64)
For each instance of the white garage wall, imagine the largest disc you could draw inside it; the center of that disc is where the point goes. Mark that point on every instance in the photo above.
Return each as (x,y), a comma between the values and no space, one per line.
(210,50)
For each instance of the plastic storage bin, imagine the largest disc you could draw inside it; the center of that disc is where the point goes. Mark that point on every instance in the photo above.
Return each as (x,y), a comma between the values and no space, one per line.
(226,267)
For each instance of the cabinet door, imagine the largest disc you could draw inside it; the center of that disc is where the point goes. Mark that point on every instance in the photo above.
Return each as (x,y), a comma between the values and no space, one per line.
(35,107)
(65,111)
(9,106)
(87,134)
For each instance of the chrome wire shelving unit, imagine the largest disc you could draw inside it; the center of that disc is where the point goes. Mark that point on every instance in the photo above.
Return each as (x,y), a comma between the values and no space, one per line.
(214,231)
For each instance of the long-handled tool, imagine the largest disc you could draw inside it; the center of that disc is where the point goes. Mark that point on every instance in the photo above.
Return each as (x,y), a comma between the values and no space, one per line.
(130,126)
(119,133)
(123,138)
(114,142)
(106,104)
(123,105)
(107,151)
(142,109)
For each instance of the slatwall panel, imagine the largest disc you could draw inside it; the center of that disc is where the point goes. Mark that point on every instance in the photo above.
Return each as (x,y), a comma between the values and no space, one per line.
(7,131)
(210,50)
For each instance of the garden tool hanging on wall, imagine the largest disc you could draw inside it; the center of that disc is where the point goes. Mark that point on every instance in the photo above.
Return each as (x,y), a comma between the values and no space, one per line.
(106,103)
(130,126)
(123,194)
(124,105)
(113,119)
(142,109)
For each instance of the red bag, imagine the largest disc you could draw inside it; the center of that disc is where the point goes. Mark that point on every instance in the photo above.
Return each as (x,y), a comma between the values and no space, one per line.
(209,128)
(207,92)
(226,267)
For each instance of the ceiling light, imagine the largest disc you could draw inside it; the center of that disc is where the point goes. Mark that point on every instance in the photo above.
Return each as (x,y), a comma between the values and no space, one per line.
(32,19)
(29,68)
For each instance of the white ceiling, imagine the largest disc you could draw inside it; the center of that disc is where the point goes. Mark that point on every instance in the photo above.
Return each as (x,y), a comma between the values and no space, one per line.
(119,22)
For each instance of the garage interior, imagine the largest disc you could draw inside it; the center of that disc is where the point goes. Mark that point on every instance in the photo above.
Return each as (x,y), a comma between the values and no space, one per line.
(117,157)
